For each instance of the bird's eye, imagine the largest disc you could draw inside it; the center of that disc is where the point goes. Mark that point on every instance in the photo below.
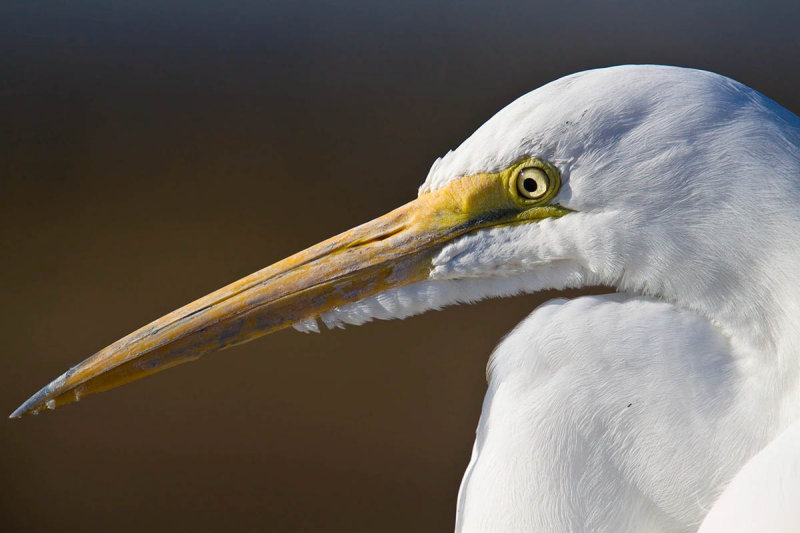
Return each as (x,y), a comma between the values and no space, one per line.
(532,183)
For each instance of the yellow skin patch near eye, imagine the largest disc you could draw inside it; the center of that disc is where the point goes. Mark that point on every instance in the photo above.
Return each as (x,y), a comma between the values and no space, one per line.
(391,251)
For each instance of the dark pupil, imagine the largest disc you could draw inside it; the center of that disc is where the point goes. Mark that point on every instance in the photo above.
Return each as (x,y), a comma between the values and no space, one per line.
(530,184)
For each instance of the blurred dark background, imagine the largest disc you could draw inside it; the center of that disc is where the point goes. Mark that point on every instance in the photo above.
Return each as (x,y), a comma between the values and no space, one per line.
(151,152)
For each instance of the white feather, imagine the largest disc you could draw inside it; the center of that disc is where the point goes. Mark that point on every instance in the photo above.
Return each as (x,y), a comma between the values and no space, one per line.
(308,325)
(765,494)
(608,413)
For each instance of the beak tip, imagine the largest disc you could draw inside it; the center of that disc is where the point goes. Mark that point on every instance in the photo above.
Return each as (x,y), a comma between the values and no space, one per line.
(19,411)
(33,404)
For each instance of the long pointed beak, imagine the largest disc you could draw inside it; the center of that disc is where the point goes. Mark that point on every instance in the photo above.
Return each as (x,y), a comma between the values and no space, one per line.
(393,250)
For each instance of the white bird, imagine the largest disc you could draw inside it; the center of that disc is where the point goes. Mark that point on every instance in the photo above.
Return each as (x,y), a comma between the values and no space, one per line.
(627,412)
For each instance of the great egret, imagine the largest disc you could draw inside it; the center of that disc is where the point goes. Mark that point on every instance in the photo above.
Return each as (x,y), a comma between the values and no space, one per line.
(625,412)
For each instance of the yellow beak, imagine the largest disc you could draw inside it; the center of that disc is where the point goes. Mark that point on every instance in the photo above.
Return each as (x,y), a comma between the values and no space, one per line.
(393,250)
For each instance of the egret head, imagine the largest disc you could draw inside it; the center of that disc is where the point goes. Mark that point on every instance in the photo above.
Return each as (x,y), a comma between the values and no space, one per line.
(654,180)
(679,184)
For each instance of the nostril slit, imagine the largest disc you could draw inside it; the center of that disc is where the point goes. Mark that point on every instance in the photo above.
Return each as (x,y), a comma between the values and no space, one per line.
(377,238)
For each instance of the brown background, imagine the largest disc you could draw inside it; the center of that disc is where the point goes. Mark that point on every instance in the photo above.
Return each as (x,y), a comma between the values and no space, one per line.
(151,152)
